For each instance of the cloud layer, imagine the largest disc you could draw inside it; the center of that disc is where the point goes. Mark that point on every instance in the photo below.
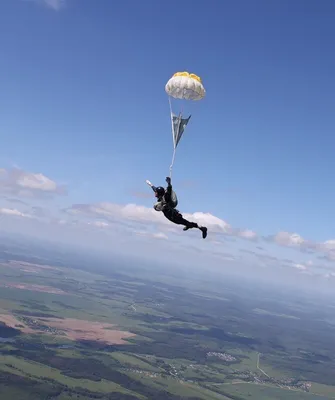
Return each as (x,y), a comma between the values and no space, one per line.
(145,222)
(19,184)
(16,182)
(14,212)
(139,214)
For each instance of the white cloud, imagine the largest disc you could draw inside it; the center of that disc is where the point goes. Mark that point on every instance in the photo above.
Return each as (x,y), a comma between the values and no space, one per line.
(300,266)
(158,235)
(106,217)
(13,212)
(329,244)
(99,224)
(135,226)
(142,214)
(55,5)
(133,214)
(36,182)
(59,221)
(214,223)
(288,239)
(294,240)
(329,255)
(17,182)
(248,234)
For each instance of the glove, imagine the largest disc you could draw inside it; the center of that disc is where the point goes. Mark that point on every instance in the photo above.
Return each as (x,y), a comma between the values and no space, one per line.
(168,180)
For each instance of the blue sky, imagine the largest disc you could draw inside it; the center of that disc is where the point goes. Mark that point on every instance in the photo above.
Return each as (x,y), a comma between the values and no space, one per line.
(82,102)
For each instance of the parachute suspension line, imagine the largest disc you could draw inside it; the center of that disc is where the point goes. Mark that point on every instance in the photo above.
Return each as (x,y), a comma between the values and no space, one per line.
(173,157)
(174,145)
(173,138)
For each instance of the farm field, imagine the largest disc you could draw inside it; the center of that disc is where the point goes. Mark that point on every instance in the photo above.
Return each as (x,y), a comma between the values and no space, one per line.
(68,332)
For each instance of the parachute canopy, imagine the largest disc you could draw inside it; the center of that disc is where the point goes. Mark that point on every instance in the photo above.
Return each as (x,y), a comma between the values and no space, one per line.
(184,85)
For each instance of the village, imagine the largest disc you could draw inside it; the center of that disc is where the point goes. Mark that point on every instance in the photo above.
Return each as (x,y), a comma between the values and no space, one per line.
(235,376)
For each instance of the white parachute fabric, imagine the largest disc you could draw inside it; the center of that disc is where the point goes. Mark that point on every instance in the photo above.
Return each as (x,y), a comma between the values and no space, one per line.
(185,88)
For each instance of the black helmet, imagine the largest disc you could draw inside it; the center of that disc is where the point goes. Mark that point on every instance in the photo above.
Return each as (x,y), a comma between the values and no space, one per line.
(160,191)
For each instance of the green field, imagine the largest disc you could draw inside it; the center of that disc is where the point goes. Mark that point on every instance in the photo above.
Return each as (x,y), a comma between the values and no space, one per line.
(40,371)
(264,392)
(192,340)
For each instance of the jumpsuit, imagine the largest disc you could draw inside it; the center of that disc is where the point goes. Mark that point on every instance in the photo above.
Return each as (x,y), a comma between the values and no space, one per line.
(165,205)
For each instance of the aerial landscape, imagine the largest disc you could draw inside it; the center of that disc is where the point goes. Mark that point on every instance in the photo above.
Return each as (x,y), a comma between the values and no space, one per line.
(167,200)
(98,333)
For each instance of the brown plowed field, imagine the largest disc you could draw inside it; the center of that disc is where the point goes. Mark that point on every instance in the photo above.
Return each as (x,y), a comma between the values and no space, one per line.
(74,329)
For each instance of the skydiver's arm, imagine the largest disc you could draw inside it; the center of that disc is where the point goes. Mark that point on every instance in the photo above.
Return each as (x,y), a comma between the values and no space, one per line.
(159,206)
(151,185)
(168,189)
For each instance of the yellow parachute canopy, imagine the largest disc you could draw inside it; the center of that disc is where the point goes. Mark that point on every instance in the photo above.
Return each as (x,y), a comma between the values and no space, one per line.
(193,76)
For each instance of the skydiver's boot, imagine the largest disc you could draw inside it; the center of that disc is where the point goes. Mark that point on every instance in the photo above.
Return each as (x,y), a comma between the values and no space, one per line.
(204,231)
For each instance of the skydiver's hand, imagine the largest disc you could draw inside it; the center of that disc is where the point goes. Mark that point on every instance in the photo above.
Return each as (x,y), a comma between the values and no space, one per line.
(168,180)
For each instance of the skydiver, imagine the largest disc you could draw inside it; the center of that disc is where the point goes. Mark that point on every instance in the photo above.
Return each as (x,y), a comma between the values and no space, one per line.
(167,202)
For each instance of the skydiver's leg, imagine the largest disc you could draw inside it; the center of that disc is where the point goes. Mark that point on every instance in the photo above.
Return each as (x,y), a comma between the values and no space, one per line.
(190,225)
(177,218)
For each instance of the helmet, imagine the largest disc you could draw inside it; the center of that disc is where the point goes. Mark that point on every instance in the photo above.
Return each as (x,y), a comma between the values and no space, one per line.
(160,191)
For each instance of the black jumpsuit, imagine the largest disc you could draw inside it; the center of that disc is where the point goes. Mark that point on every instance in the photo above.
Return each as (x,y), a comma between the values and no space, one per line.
(170,212)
